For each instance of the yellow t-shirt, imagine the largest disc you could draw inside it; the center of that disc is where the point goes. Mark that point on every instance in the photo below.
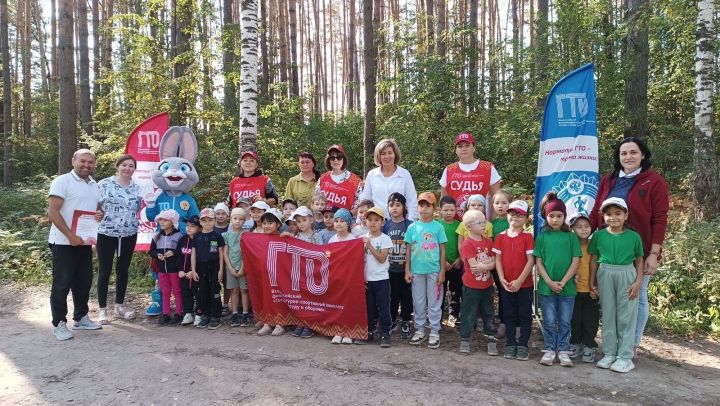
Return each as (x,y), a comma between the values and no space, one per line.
(462,230)
(582,280)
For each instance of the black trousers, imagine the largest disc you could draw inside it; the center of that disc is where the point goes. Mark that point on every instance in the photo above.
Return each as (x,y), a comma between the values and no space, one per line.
(377,296)
(107,250)
(72,270)
(518,312)
(454,287)
(190,291)
(400,295)
(209,287)
(585,320)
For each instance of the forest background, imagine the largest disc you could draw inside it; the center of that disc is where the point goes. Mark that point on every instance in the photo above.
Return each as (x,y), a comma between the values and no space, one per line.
(85,73)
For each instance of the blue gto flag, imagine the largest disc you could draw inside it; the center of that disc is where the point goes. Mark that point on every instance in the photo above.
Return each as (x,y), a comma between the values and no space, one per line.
(568,160)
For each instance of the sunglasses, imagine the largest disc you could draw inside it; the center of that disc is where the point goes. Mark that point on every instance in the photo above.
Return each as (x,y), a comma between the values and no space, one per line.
(335,157)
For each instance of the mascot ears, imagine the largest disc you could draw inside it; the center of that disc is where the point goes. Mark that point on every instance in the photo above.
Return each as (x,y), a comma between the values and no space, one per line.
(179,142)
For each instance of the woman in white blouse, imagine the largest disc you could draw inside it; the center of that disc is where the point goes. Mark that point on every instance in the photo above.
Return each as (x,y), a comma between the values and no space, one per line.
(389,178)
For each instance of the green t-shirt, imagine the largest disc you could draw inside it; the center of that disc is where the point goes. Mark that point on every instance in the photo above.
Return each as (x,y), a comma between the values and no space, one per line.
(232,241)
(451,246)
(557,250)
(616,249)
(500,224)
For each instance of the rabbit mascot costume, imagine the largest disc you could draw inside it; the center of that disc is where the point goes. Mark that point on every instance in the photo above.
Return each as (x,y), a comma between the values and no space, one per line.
(175,176)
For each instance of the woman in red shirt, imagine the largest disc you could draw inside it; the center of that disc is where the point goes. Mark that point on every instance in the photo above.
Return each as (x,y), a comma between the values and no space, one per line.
(646,194)
(340,186)
(250,183)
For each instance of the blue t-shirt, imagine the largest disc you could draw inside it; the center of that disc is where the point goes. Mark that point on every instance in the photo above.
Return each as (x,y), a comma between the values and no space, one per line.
(425,239)
(207,246)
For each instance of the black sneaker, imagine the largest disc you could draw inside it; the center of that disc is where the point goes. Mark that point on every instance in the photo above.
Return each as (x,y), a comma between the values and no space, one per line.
(235,320)
(244,320)
(213,324)
(298,330)
(177,319)
(405,330)
(204,321)
(306,333)
(369,340)
(225,310)
(164,320)
(385,341)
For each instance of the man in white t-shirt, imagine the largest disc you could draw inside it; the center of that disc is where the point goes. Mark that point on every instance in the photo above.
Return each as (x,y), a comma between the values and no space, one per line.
(72,256)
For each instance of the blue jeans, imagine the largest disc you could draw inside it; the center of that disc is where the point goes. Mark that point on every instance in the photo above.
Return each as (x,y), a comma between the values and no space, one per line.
(556,318)
(643,310)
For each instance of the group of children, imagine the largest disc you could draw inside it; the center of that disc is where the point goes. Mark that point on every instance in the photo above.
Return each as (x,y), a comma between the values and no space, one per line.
(409,265)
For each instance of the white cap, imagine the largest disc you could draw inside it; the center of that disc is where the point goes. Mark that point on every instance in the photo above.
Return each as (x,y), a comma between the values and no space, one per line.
(577,216)
(223,207)
(300,211)
(261,205)
(614,201)
(274,212)
(519,206)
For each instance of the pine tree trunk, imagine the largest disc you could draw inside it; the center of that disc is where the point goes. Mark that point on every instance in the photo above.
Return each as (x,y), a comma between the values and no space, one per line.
(283,39)
(7,96)
(264,50)
(53,46)
(706,185)
(317,97)
(354,78)
(429,26)
(23,26)
(292,14)
(229,33)
(516,75)
(181,32)
(107,42)
(249,73)
(441,27)
(84,68)
(39,26)
(370,59)
(541,47)
(66,76)
(96,54)
(473,55)
(637,52)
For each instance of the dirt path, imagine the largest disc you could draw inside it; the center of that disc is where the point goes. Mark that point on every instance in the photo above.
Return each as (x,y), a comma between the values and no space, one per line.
(140,363)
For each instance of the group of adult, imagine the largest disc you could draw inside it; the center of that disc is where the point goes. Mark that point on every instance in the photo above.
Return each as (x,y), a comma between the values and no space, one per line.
(117,199)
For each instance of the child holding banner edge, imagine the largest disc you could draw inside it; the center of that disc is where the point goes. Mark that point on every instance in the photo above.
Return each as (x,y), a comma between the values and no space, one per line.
(425,269)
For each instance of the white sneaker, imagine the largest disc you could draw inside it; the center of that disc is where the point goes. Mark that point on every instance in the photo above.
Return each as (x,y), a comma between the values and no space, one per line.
(606,362)
(187,319)
(102,316)
(336,340)
(548,358)
(265,330)
(61,332)
(198,320)
(278,331)
(418,337)
(124,312)
(434,340)
(86,324)
(564,358)
(347,340)
(622,365)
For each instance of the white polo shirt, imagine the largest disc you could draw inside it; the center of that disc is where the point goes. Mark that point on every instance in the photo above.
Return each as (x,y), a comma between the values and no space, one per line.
(77,194)
(378,188)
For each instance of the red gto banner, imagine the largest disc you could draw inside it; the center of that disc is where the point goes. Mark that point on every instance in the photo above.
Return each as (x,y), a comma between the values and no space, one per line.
(294,282)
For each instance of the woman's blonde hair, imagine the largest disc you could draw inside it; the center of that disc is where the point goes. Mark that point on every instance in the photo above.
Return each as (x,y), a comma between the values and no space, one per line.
(387,142)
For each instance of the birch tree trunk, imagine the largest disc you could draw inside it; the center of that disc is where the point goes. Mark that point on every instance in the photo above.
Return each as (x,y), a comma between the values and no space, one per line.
(66,75)
(7,94)
(249,73)
(706,187)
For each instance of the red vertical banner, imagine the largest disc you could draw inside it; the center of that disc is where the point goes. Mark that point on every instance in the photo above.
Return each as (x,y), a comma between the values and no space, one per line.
(143,144)
(293,282)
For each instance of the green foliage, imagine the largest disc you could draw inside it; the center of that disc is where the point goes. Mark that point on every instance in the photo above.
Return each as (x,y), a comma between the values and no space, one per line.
(685,292)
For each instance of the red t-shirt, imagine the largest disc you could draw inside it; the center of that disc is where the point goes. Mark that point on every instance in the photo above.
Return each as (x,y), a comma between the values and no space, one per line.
(460,184)
(513,255)
(340,195)
(247,188)
(478,250)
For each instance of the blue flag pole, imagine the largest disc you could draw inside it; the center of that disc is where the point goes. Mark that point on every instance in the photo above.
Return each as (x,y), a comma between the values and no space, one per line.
(568,159)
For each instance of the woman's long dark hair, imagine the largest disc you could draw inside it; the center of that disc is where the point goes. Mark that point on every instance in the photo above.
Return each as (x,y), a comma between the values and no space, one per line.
(311,157)
(645,164)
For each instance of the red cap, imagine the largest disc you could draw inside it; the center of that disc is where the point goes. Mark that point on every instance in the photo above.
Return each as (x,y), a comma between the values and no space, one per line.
(464,137)
(337,147)
(251,153)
